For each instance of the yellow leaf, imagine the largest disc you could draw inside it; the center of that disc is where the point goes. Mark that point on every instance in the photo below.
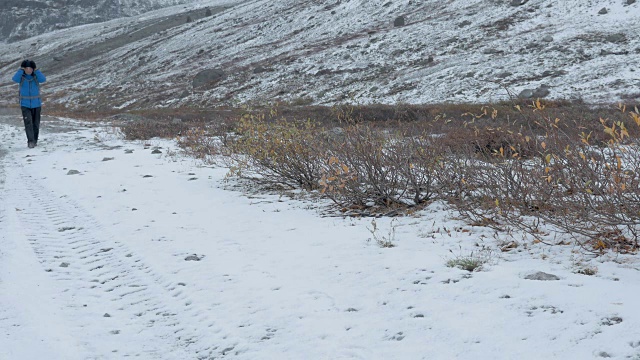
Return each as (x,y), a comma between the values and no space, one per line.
(600,245)
(544,145)
(622,107)
(636,118)
(548,158)
(624,133)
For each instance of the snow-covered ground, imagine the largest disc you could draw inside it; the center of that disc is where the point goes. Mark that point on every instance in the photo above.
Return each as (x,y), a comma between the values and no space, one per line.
(154,256)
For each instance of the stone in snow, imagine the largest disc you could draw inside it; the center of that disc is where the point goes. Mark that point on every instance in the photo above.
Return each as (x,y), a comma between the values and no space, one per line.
(399,21)
(541,276)
(526,94)
(193,257)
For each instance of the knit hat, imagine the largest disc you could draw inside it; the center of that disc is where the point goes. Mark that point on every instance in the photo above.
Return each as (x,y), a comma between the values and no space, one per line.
(28,63)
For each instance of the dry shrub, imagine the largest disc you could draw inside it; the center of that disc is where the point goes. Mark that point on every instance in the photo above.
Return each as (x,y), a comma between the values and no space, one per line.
(201,143)
(357,166)
(469,184)
(375,168)
(598,188)
(489,141)
(420,158)
(359,172)
(576,177)
(278,152)
(146,129)
(578,189)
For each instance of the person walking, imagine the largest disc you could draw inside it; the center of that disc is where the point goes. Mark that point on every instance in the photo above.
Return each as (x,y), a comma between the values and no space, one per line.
(30,79)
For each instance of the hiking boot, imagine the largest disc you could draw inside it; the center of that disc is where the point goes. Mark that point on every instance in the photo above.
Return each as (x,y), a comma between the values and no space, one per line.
(31,145)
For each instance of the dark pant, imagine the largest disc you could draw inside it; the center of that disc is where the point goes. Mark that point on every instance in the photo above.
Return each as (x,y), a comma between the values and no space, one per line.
(31,117)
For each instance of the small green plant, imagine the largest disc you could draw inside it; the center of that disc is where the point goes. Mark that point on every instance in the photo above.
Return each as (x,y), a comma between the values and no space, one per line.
(472,262)
(381,240)
(589,271)
(583,268)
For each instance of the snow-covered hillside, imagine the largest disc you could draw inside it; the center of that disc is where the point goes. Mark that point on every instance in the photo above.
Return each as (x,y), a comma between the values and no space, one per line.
(359,51)
(24,19)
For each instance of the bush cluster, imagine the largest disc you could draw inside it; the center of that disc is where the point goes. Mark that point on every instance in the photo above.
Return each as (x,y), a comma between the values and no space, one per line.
(531,170)
(146,129)
(584,188)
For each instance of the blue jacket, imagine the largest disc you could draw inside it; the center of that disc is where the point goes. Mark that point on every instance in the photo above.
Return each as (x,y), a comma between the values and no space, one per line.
(29,88)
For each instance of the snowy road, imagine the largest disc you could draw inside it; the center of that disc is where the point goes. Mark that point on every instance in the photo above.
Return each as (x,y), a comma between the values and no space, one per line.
(94,275)
(111,250)
(31,325)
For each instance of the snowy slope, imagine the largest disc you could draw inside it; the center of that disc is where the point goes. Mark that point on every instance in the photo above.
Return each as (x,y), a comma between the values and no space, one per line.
(151,256)
(344,51)
(24,19)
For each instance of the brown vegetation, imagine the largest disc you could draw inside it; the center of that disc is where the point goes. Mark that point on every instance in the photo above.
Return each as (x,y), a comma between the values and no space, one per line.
(564,167)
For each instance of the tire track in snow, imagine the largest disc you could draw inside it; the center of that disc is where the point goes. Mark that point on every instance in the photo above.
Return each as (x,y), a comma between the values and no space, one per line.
(4,317)
(115,295)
